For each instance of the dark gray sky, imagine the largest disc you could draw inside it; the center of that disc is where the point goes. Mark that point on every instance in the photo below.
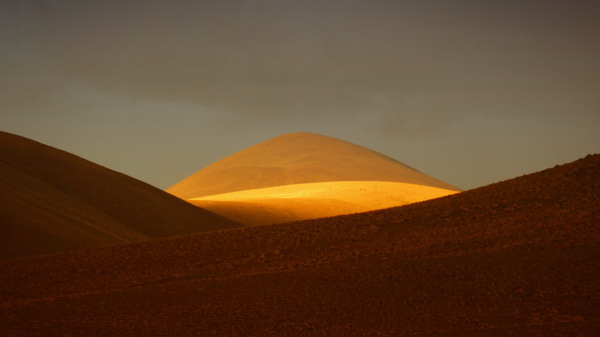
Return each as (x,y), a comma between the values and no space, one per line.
(469,91)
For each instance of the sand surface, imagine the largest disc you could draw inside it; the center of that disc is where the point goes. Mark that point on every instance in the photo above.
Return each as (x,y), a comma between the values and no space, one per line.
(298,158)
(288,203)
(516,258)
(51,200)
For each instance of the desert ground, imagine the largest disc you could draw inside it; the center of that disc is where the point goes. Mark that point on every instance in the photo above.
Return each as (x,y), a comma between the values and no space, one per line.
(516,258)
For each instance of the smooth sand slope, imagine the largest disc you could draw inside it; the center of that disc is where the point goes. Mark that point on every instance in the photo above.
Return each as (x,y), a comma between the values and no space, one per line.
(301,176)
(516,258)
(289,203)
(51,200)
(298,158)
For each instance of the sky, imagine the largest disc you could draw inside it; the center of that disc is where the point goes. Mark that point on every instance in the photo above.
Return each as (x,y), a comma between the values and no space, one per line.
(470,92)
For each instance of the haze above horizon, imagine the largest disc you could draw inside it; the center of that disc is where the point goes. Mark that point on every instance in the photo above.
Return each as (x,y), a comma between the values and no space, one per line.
(470,92)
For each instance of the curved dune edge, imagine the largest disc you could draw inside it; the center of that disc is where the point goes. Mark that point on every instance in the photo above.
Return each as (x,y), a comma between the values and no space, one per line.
(288,203)
(298,158)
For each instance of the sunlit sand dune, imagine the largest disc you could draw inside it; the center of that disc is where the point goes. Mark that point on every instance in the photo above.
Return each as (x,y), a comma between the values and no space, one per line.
(298,158)
(314,200)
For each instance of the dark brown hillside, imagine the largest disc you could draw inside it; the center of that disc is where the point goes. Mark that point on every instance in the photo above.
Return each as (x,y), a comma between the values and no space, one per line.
(516,258)
(36,218)
(51,200)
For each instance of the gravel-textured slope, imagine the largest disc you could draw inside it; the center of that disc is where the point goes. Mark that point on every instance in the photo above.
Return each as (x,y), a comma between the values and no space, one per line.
(516,258)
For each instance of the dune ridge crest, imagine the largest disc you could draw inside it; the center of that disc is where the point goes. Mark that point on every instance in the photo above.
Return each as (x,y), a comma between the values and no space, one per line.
(296,202)
(298,158)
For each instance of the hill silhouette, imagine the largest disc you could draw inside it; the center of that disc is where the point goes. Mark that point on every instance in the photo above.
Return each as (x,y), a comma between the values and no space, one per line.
(515,258)
(51,200)
(298,158)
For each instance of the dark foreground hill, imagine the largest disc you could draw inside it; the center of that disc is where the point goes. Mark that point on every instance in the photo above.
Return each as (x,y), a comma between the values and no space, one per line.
(51,200)
(516,258)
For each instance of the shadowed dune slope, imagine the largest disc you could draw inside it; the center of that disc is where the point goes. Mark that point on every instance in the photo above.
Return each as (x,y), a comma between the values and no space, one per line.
(516,258)
(51,200)
(295,202)
(298,158)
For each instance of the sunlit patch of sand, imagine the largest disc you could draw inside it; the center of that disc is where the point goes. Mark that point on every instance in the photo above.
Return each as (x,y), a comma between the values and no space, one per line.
(298,158)
(314,200)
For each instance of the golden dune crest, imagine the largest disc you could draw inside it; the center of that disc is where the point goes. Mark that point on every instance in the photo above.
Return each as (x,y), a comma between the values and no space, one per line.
(298,158)
(295,202)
